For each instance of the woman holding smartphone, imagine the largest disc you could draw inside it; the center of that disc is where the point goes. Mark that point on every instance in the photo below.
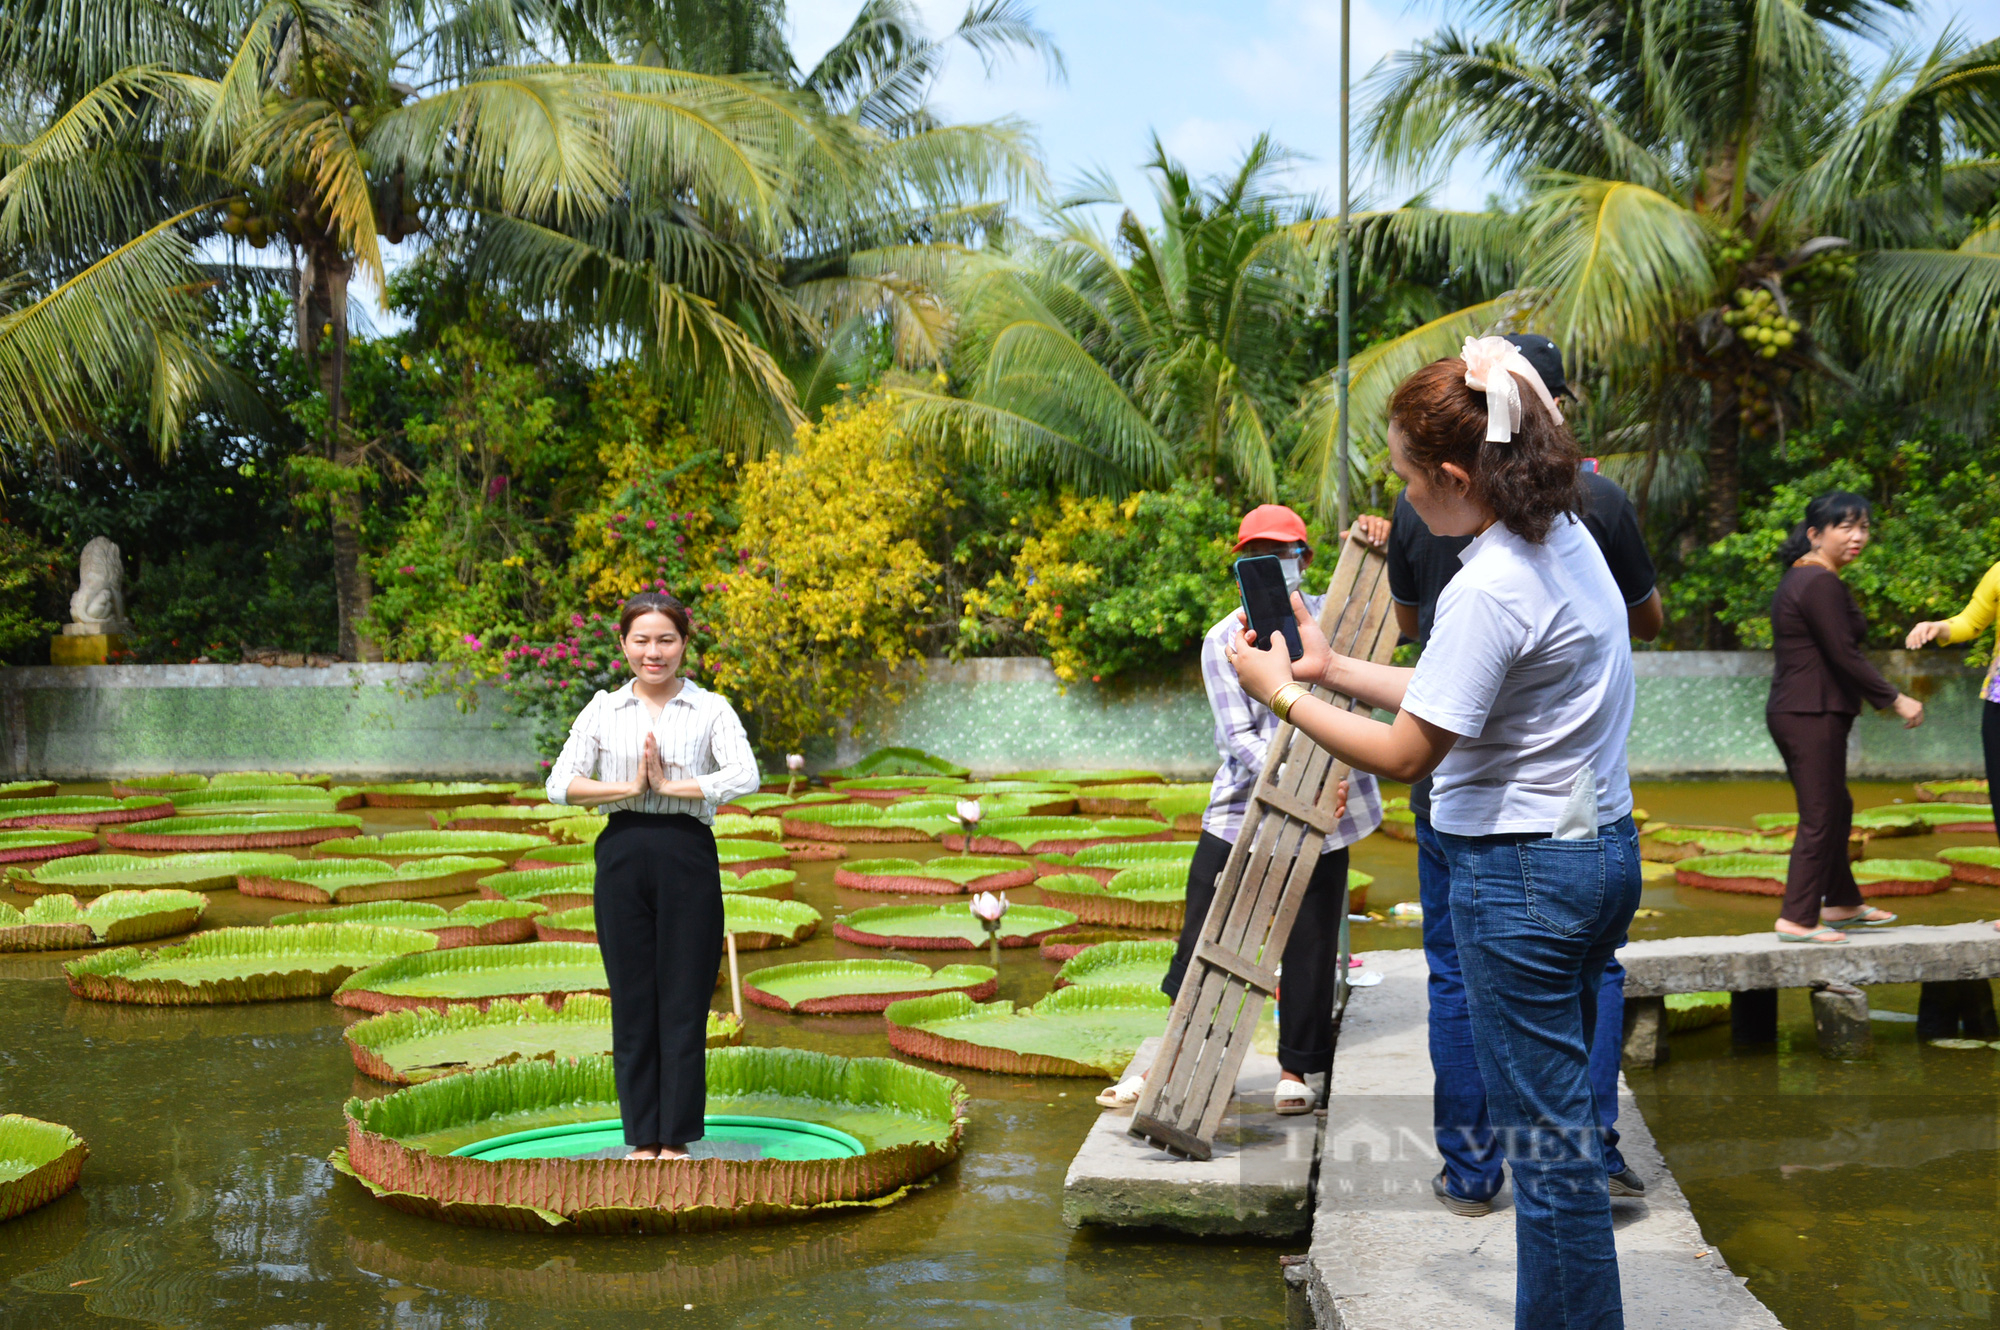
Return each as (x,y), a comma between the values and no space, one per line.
(1519,710)
(658,754)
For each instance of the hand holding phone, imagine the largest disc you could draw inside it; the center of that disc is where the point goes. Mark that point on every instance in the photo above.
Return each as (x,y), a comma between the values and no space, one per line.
(1267,602)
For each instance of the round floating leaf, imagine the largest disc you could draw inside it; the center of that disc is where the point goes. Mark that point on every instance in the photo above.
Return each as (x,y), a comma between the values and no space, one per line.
(1753,874)
(403,846)
(1974,863)
(117,918)
(1086,1030)
(1104,862)
(1060,947)
(1954,791)
(761,923)
(236,778)
(241,964)
(861,786)
(1695,1011)
(93,874)
(773,882)
(439,979)
(1901,877)
(435,794)
(254,799)
(39,1161)
(860,822)
(898,762)
(352,881)
(941,877)
(409,1047)
(246,831)
(836,987)
(578,924)
(557,856)
(1938,817)
(556,888)
(747,856)
(771,805)
(583,829)
(1080,776)
(1133,800)
(1118,963)
(1057,835)
(737,826)
(1670,844)
(501,817)
(27,847)
(909,1122)
(1133,898)
(1399,821)
(473,924)
(933,811)
(83,810)
(127,787)
(946,927)
(42,789)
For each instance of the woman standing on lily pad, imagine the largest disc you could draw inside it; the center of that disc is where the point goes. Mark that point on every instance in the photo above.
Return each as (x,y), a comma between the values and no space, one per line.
(658,755)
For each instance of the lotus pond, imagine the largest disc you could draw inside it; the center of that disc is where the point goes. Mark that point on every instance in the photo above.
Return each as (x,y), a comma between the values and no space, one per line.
(1848,1193)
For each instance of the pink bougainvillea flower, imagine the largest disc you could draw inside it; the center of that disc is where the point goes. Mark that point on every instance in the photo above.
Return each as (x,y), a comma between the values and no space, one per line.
(650,524)
(407,569)
(474,642)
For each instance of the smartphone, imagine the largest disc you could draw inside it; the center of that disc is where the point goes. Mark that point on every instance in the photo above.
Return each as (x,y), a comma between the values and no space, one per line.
(1266,603)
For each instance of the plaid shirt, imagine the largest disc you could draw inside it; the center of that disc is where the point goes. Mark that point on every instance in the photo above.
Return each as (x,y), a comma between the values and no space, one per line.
(1243,731)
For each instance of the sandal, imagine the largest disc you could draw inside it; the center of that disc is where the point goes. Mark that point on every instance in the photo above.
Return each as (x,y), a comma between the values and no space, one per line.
(1821,936)
(1124,1094)
(1292,1098)
(1870,917)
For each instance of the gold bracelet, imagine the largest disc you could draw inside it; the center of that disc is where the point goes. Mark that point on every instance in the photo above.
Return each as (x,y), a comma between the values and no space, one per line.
(1286,698)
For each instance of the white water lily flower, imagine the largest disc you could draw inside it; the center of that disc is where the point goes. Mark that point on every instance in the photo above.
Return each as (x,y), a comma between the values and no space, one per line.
(968,812)
(795,761)
(990,906)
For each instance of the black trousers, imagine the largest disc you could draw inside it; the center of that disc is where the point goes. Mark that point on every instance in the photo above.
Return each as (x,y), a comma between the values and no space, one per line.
(659,926)
(1312,953)
(1814,746)
(1989,738)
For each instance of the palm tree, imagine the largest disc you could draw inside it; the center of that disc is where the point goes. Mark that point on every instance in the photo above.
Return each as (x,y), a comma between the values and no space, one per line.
(1716,209)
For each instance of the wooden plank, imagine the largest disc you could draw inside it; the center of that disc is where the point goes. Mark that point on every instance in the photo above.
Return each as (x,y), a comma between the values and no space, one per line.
(1259,890)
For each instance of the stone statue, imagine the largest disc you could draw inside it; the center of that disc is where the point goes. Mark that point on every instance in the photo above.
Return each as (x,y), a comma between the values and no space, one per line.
(98,607)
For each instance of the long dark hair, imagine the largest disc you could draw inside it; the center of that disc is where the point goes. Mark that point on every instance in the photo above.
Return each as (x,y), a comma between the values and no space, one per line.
(653,602)
(1829,509)
(1528,481)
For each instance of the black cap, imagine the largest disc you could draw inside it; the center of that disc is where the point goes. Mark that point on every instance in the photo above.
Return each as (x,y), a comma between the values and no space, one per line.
(1547,358)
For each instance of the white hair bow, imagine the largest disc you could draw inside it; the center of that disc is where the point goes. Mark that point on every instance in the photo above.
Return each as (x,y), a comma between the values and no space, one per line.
(1490,366)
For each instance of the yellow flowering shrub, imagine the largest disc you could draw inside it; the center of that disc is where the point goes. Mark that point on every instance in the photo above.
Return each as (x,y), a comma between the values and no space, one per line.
(829,582)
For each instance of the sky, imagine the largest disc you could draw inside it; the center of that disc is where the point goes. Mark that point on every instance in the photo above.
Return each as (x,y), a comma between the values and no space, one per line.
(1208,76)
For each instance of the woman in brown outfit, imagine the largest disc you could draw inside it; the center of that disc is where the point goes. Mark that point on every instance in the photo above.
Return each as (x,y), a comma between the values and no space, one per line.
(1817,688)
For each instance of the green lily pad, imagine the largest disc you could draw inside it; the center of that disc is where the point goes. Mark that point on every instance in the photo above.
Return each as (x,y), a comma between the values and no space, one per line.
(755,804)
(234,778)
(474,924)
(736,826)
(1901,877)
(436,980)
(403,846)
(126,787)
(1133,800)
(435,794)
(576,924)
(1954,791)
(355,881)
(774,882)
(1080,776)
(117,918)
(582,829)
(1140,963)
(94,874)
(1695,1011)
(1751,874)
(241,964)
(935,811)
(500,817)
(761,923)
(557,856)
(1974,863)
(39,1161)
(38,846)
(942,876)
(860,822)
(1083,1030)
(1057,835)
(1670,844)
(898,762)
(254,799)
(410,1047)
(555,888)
(906,1121)
(860,785)
(846,987)
(82,810)
(1104,862)
(1938,817)
(947,927)
(242,831)
(746,856)
(1153,898)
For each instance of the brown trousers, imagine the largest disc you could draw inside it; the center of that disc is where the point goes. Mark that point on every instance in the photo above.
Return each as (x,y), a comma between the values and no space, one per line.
(1814,746)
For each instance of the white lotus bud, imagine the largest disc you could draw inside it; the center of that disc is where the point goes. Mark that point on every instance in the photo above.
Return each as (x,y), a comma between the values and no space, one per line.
(990,906)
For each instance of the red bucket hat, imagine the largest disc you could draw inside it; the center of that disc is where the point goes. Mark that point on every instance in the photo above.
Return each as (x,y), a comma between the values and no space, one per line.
(1271,521)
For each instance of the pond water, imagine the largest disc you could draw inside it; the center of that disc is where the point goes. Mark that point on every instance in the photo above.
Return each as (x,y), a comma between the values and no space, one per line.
(1860,1193)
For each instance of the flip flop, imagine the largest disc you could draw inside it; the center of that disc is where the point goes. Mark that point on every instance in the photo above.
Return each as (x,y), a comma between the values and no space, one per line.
(1821,936)
(1124,1094)
(1861,921)
(1292,1098)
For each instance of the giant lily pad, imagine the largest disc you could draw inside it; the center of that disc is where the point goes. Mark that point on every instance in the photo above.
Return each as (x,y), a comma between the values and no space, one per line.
(573,925)
(859,822)
(1104,862)
(1133,898)
(243,831)
(409,1047)
(582,829)
(747,856)
(1183,812)
(436,980)
(83,810)
(1084,1030)
(435,794)
(128,787)
(561,888)
(501,817)
(1143,963)
(1668,844)
(1952,818)
(354,881)
(906,1123)
(1974,863)
(898,762)
(241,964)
(93,874)
(556,856)
(39,1161)
(1399,820)
(885,788)
(32,847)
(937,877)
(946,927)
(473,924)
(1057,835)
(1035,799)
(1132,800)
(254,799)
(37,789)
(773,882)
(1887,820)
(228,779)
(1060,947)
(1695,1011)
(117,918)
(737,826)
(761,923)
(845,987)
(771,805)
(1082,777)
(1752,874)
(1954,791)
(1901,877)
(399,847)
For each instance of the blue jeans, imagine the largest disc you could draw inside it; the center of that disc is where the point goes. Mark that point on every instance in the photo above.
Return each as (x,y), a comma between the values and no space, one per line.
(1458,1099)
(1536,921)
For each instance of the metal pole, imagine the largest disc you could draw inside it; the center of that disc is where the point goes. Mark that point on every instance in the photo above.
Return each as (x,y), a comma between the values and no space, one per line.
(1340,441)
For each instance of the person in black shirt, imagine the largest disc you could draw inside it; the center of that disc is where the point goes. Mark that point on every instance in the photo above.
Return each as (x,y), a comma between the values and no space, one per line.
(1420,565)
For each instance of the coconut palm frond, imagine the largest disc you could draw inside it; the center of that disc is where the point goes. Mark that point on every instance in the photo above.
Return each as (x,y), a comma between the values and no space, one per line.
(1933,312)
(1618,262)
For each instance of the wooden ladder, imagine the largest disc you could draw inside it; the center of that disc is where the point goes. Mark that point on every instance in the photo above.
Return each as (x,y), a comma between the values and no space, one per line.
(1258,892)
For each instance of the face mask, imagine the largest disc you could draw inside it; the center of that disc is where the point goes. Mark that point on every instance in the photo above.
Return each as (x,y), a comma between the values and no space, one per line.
(1292,574)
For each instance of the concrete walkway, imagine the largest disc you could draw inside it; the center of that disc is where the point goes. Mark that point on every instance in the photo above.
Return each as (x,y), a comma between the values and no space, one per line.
(1386,1256)
(1736,964)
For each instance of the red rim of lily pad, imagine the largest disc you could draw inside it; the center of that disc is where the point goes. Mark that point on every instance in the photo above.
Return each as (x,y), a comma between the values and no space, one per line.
(1065,945)
(1056,845)
(1985,875)
(859,938)
(35,854)
(232,840)
(102,817)
(1118,911)
(850,1004)
(1748,886)
(916,884)
(42,789)
(813,851)
(800,829)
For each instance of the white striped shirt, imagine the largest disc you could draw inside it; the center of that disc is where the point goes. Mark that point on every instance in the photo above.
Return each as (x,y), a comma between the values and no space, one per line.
(698,735)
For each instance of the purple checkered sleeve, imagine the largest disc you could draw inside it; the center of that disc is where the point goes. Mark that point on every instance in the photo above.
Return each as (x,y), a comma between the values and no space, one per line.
(1243,730)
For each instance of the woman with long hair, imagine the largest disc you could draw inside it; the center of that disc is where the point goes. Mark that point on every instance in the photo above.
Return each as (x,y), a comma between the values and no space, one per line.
(658,754)
(1518,709)
(1818,681)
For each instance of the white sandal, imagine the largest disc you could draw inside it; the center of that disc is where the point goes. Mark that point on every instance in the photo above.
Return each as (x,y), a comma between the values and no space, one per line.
(1124,1094)
(1292,1098)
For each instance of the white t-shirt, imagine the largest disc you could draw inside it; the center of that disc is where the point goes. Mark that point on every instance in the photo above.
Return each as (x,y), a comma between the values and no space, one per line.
(1530,662)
